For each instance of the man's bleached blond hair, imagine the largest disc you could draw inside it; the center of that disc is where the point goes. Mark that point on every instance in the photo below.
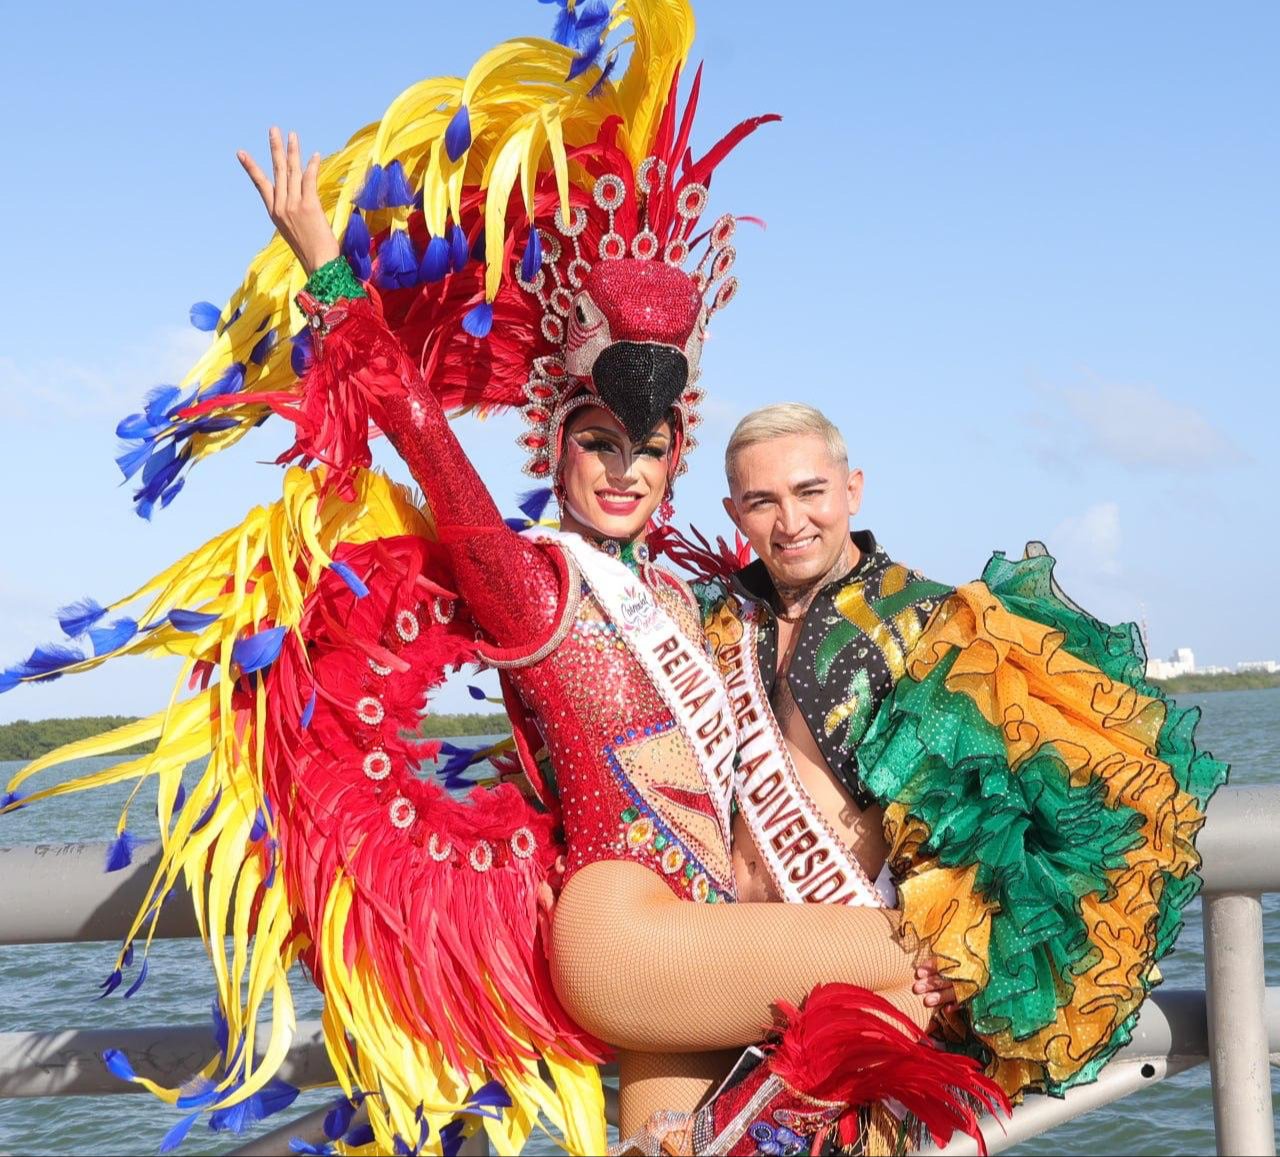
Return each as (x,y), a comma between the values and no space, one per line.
(780,421)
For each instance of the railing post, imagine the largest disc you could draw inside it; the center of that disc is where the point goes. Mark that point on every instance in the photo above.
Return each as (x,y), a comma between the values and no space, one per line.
(1239,1061)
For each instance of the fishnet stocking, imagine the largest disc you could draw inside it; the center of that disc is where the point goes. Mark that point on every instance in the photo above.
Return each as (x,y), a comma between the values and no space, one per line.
(651,1082)
(648,972)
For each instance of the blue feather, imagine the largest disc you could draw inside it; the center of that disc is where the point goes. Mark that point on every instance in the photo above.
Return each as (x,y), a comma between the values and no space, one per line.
(534,502)
(179,797)
(47,662)
(275,1096)
(120,851)
(397,264)
(175,1136)
(457,137)
(158,402)
(192,621)
(531,262)
(76,618)
(401,1147)
(355,246)
(12,800)
(298,1145)
(479,320)
(113,637)
(475,692)
(134,426)
(231,382)
(338,1119)
(452,1136)
(371,195)
(205,315)
(458,248)
(118,1064)
(307,712)
(435,260)
(126,958)
(491,1095)
(591,25)
(360,1135)
(355,241)
(171,492)
(142,978)
(609,65)
(301,356)
(259,828)
(221,1030)
(565,29)
(395,189)
(259,353)
(349,577)
(197,1093)
(162,457)
(109,986)
(258,651)
(208,812)
(273,848)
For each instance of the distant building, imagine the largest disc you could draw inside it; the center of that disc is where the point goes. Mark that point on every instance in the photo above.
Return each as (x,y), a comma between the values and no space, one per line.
(1182,662)
(1262,666)
(1214,671)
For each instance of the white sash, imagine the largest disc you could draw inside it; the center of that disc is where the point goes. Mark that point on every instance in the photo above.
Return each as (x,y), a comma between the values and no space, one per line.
(686,679)
(807,861)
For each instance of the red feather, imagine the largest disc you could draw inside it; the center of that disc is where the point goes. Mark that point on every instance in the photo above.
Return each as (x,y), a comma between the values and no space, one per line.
(699,560)
(852,1046)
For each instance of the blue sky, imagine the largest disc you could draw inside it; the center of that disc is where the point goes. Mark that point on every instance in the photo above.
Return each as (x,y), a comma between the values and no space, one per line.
(1026,256)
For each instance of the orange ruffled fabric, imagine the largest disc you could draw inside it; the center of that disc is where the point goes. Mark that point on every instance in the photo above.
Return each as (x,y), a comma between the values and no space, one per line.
(1043,700)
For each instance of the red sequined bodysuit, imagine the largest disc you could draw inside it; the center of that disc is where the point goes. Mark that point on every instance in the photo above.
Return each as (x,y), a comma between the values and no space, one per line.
(627,777)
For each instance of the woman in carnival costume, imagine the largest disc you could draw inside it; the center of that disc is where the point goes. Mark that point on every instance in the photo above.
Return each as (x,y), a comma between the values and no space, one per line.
(542,268)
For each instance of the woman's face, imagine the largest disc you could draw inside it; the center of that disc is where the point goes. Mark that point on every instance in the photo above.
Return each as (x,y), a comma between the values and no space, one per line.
(612,485)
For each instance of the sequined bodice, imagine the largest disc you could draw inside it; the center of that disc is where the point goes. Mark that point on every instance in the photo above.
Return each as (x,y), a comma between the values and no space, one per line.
(628,778)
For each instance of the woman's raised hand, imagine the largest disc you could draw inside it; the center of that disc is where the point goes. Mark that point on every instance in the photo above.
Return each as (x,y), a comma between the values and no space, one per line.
(292,201)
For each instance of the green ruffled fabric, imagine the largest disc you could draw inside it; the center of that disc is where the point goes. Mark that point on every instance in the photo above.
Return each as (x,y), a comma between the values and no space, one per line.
(1026,587)
(1040,845)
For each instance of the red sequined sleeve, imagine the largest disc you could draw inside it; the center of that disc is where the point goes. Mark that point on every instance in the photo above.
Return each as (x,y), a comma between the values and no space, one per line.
(516,589)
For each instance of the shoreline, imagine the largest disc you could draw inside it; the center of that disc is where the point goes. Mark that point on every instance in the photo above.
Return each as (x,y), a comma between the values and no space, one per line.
(1195,684)
(26,739)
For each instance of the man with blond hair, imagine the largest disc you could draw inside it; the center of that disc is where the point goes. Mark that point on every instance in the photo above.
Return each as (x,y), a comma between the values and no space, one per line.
(811,639)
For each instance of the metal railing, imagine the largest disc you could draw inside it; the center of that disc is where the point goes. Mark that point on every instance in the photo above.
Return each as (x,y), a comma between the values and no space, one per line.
(58,893)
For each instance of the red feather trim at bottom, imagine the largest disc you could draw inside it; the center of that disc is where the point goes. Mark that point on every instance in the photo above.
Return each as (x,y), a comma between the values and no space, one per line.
(851,1046)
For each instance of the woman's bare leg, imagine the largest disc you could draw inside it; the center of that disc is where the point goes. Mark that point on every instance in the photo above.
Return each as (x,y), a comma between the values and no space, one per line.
(648,972)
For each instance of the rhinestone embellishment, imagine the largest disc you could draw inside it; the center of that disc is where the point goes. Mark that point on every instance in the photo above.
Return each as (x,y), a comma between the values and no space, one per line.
(370,711)
(402,812)
(407,626)
(523,844)
(377,764)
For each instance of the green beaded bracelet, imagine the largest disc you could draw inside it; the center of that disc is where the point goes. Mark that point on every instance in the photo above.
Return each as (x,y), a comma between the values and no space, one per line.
(333,281)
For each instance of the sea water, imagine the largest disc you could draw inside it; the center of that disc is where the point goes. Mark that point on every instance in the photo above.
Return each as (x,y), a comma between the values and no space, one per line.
(54,986)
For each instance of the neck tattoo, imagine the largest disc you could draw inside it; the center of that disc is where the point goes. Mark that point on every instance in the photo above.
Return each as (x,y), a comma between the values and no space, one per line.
(792,603)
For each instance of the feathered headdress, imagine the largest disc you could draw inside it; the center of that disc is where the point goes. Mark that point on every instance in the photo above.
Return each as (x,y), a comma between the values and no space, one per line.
(528,229)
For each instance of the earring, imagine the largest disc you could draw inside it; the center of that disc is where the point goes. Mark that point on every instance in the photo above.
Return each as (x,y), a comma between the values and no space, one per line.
(667,510)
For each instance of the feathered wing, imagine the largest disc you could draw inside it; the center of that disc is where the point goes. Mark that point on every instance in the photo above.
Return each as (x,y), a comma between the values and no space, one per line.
(311,635)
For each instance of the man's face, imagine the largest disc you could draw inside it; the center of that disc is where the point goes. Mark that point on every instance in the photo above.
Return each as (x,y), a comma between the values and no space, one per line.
(793,502)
